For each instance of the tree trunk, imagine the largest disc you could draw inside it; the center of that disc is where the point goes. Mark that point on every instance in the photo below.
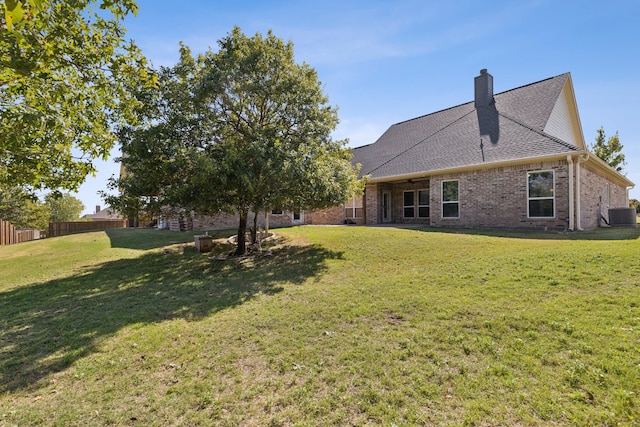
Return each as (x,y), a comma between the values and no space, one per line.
(241,249)
(254,230)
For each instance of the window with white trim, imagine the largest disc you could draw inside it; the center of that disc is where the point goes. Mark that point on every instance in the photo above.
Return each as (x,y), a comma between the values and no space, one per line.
(423,204)
(409,208)
(353,208)
(450,199)
(276,211)
(541,194)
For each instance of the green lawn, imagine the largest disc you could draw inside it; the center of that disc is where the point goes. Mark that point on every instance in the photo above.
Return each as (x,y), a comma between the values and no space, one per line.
(339,326)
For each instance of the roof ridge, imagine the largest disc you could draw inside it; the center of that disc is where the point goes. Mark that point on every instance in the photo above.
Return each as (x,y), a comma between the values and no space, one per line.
(469,102)
(421,141)
(531,84)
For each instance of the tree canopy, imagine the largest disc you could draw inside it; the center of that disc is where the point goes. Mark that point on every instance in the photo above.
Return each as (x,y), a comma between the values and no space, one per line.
(609,150)
(65,78)
(23,209)
(237,131)
(63,207)
(157,162)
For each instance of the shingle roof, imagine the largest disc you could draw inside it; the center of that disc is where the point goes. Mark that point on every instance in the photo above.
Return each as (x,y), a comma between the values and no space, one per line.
(464,136)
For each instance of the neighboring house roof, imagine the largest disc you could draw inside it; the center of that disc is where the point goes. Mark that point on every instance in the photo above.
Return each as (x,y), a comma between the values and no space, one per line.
(529,122)
(104,214)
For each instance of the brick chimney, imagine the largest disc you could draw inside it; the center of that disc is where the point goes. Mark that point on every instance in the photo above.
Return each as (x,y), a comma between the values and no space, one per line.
(97,208)
(483,89)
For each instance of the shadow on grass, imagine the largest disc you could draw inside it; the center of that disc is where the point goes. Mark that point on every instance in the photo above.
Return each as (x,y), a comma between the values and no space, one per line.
(145,238)
(48,326)
(613,233)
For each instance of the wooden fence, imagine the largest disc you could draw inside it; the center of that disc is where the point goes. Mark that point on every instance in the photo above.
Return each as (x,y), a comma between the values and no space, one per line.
(10,235)
(64,228)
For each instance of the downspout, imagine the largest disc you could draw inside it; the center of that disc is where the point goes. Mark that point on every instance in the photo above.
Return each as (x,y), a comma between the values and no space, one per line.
(581,159)
(571,194)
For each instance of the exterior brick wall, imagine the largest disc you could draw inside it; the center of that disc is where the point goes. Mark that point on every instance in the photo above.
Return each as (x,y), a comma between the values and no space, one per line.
(194,222)
(373,194)
(216,222)
(594,200)
(351,212)
(498,198)
(397,201)
(489,198)
(329,216)
(373,202)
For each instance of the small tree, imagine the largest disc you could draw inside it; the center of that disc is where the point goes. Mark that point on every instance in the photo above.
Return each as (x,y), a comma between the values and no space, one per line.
(609,150)
(634,203)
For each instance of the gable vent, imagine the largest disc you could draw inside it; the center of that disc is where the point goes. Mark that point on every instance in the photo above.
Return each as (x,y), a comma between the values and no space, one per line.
(483,89)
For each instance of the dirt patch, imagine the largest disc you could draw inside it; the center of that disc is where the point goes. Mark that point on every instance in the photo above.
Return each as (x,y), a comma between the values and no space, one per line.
(262,236)
(253,249)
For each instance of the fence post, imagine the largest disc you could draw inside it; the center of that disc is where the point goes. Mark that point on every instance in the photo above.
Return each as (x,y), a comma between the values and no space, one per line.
(63,228)
(7,233)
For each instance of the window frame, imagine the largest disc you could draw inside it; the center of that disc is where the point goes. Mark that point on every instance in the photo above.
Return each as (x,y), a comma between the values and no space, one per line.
(353,207)
(412,206)
(449,202)
(552,197)
(428,205)
(277,212)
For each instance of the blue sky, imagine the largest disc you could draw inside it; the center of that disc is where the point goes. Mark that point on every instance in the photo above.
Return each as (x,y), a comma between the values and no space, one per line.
(383,62)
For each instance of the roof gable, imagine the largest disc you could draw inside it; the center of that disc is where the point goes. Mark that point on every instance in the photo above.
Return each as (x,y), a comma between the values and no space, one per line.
(564,121)
(532,103)
(511,128)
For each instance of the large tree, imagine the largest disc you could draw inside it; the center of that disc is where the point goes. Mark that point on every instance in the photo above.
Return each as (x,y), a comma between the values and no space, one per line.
(609,150)
(238,131)
(273,125)
(159,151)
(65,70)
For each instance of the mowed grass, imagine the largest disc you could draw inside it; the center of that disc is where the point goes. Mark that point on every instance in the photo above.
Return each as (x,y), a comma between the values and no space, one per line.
(338,326)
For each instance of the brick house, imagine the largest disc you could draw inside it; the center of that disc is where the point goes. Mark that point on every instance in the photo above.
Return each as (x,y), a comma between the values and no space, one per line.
(516,159)
(350,213)
(192,221)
